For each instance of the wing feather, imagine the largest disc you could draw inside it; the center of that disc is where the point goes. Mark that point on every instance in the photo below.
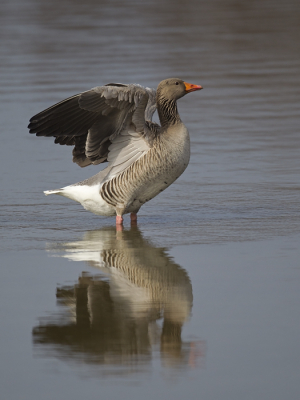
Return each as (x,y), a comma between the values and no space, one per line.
(96,121)
(122,154)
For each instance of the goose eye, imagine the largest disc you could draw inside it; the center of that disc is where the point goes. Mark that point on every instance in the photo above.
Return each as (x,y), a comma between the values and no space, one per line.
(176,83)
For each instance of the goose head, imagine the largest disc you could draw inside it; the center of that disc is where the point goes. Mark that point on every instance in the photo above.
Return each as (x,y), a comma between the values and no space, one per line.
(174,88)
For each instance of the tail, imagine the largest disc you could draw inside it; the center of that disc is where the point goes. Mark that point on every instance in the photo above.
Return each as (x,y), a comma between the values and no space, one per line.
(56,191)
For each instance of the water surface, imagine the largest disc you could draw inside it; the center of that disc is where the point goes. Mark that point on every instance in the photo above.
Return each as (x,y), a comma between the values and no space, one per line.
(201,300)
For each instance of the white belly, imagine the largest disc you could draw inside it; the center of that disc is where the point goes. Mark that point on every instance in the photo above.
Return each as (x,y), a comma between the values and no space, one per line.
(89,197)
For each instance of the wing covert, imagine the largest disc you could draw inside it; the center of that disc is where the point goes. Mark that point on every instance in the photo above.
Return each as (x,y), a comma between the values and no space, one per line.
(91,120)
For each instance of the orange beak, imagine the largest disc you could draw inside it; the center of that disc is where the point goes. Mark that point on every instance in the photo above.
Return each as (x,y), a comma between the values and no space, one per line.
(189,87)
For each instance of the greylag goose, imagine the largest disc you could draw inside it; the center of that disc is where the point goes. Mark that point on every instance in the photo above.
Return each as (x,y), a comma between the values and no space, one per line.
(113,123)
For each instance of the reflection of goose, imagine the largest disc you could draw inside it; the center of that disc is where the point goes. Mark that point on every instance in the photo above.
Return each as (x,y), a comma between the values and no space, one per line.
(136,269)
(114,314)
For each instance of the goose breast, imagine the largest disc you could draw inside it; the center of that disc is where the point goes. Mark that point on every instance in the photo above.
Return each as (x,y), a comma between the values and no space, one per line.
(152,173)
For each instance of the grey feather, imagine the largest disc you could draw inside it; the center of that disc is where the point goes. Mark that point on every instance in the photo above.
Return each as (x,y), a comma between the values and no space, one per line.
(98,117)
(151,105)
(117,169)
(138,117)
(123,153)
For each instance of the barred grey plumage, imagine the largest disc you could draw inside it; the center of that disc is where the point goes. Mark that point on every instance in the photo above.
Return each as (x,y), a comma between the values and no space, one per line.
(114,123)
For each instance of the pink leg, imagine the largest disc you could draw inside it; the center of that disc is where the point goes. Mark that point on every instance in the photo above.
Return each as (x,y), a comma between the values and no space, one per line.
(119,220)
(133,218)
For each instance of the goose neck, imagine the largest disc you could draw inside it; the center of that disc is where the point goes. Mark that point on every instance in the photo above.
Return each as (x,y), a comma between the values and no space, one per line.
(167,112)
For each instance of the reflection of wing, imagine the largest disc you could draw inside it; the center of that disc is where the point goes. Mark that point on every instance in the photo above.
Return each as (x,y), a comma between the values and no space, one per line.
(112,316)
(90,121)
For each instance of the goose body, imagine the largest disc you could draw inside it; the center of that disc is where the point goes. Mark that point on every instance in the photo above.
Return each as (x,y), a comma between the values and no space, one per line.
(113,123)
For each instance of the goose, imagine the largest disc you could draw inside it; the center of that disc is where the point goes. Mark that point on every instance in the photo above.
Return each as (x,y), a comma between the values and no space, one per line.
(113,123)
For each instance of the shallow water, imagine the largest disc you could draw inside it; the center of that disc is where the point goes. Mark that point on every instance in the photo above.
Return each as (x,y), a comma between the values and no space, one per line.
(201,300)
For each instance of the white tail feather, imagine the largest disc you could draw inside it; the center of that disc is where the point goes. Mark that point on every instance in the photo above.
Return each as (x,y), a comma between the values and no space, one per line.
(57,191)
(88,196)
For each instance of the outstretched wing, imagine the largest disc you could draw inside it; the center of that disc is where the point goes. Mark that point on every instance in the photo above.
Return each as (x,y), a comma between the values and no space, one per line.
(90,121)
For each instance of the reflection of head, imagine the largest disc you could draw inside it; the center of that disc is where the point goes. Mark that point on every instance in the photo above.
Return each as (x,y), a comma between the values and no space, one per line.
(114,313)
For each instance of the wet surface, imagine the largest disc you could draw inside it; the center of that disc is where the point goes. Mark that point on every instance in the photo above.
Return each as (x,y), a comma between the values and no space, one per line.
(112,318)
(201,300)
